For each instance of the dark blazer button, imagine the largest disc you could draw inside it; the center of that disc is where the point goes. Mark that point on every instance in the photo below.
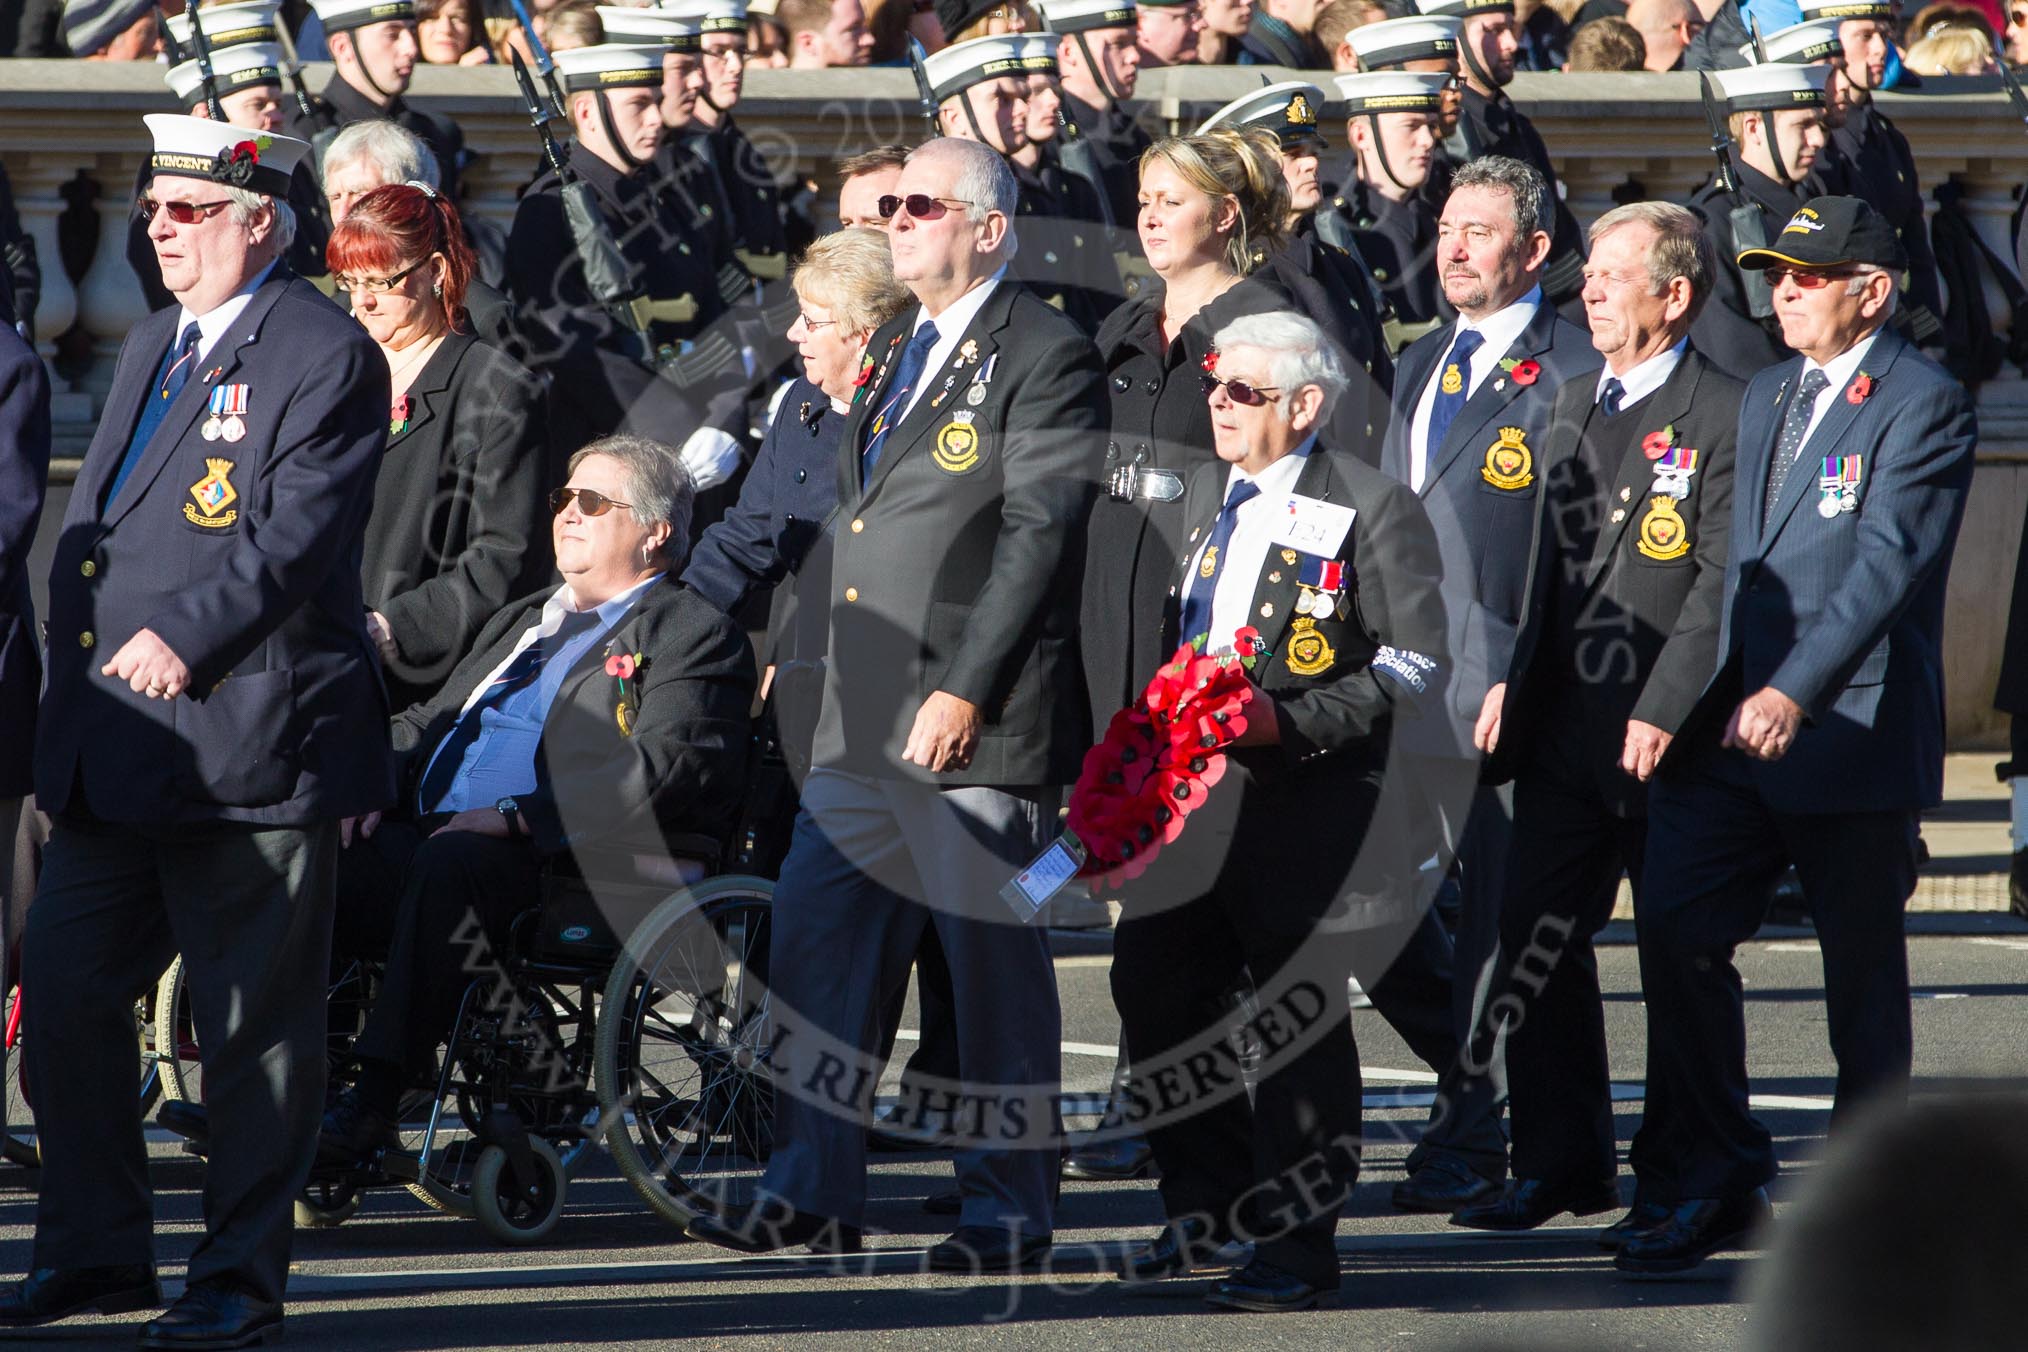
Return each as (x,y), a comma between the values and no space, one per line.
(801,475)
(789,518)
(1153,386)
(1123,383)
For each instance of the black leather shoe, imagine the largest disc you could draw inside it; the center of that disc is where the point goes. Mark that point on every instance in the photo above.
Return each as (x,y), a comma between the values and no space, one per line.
(353,1130)
(1643,1217)
(2017,884)
(49,1294)
(1528,1202)
(1113,1161)
(214,1318)
(1176,1252)
(1693,1232)
(949,1203)
(189,1120)
(771,1224)
(1443,1185)
(985,1248)
(1263,1288)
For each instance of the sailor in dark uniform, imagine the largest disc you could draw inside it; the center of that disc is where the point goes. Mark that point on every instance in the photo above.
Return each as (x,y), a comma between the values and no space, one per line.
(1065,255)
(1100,61)
(752,192)
(1490,124)
(605,367)
(374,49)
(248,77)
(1391,125)
(1328,281)
(1775,113)
(1869,158)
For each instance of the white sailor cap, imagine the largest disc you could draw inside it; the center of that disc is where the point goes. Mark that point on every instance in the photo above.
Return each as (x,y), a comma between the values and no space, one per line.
(1776,85)
(240,66)
(610,65)
(1038,52)
(1391,91)
(1800,43)
(1081,16)
(340,16)
(963,64)
(197,147)
(711,16)
(626,26)
(1392,42)
(1846,9)
(227,25)
(1464,9)
(1288,109)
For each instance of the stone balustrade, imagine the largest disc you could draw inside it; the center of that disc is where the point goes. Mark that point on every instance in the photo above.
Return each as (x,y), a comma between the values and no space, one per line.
(71,139)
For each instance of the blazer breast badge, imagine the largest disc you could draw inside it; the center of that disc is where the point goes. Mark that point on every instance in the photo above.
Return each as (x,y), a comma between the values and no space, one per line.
(1509,463)
(215,496)
(1663,534)
(1309,652)
(957,447)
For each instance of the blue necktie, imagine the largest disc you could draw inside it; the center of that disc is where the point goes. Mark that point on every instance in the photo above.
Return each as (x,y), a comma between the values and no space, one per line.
(171,375)
(1790,444)
(517,675)
(1609,398)
(1454,386)
(913,358)
(1197,605)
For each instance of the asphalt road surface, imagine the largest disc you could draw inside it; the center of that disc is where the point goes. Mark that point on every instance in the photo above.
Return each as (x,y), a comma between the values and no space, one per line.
(613,1276)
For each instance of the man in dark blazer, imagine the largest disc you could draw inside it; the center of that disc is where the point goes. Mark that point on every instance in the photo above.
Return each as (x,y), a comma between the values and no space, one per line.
(1474,405)
(576,759)
(1819,739)
(1338,610)
(952,705)
(212,711)
(1620,636)
(24,470)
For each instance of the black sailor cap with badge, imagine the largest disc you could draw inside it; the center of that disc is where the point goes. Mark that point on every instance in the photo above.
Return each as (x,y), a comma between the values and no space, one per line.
(260,162)
(1288,109)
(1834,235)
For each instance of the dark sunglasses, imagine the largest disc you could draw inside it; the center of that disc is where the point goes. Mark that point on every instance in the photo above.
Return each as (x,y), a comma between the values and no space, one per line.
(588,502)
(1807,279)
(183,213)
(921,206)
(1240,392)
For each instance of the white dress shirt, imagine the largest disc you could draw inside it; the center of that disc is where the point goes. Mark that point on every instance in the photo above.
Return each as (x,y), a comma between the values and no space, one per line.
(951,326)
(1644,379)
(1247,551)
(1838,373)
(218,321)
(1498,331)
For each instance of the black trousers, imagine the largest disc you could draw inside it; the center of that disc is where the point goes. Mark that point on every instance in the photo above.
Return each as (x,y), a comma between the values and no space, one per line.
(439,908)
(1715,848)
(250,910)
(1279,1170)
(1563,873)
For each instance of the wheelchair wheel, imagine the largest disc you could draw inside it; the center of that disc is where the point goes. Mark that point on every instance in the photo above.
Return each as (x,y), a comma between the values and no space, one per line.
(18,1146)
(518,1214)
(684,1089)
(325,1206)
(173,1031)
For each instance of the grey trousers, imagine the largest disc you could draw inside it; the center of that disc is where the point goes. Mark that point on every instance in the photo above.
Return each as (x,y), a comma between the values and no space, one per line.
(872,862)
(250,910)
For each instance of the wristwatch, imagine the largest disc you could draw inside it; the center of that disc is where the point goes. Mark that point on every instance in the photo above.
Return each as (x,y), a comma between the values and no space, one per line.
(510,812)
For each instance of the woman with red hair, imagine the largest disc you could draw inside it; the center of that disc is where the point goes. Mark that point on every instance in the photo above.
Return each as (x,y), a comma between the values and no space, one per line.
(457,525)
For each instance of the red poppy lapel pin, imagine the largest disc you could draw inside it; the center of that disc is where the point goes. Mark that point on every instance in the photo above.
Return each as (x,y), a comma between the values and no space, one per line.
(1860,390)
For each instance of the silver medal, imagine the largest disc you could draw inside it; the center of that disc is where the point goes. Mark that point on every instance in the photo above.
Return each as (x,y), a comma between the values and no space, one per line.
(1849,500)
(209,431)
(1827,506)
(233,428)
(976,395)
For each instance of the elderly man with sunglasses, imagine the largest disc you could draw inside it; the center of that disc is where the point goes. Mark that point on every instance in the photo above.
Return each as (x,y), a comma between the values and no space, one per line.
(1818,740)
(212,711)
(608,714)
(948,717)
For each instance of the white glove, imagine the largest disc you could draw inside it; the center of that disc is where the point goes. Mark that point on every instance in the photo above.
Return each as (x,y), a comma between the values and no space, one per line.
(709,457)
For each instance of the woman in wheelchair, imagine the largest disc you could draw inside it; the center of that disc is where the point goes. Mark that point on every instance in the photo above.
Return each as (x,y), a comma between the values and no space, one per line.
(608,715)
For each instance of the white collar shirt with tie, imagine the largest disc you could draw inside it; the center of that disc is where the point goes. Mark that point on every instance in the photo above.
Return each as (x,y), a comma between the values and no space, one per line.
(951,326)
(1246,552)
(216,322)
(1645,378)
(1498,332)
(1838,373)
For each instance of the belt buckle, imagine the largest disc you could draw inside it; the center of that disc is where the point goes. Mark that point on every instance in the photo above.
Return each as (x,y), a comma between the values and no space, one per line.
(1123,483)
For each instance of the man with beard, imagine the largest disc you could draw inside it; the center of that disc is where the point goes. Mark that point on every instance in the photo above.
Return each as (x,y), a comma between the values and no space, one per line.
(1776,117)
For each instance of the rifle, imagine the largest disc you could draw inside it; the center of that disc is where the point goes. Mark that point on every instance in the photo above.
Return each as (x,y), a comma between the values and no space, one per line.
(313,109)
(543,65)
(916,54)
(1759,47)
(1749,229)
(203,47)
